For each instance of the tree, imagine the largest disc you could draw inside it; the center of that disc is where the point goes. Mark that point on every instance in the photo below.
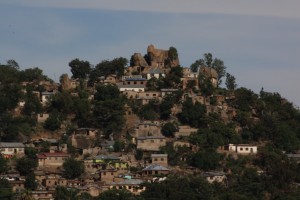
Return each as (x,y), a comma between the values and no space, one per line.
(108,111)
(13,63)
(119,146)
(62,193)
(107,67)
(30,182)
(139,154)
(179,188)
(219,66)
(5,190)
(72,168)
(33,74)
(168,129)
(25,165)
(114,194)
(172,55)
(192,114)
(205,160)
(211,62)
(32,104)
(10,95)
(53,122)
(80,68)
(230,82)
(3,165)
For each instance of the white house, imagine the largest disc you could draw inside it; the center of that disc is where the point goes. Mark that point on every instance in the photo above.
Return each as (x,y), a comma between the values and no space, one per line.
(9,149)
(155,72)
(242,148)
(218,177)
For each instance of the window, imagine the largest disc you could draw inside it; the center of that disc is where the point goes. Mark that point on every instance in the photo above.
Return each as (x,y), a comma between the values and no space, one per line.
(152,141)
(241,149)
(247,149)
(155,159)
(112,173)
(104,173)
(147,95)
(142,82)
(162,159)
(154,95)
(134,82)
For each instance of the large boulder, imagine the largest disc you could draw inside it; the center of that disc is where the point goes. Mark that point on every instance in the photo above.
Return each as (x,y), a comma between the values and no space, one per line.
(139,60)
(160,58)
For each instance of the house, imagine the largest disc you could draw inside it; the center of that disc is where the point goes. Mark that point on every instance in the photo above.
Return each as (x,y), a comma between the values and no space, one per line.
(10,149)
(42,117)
(218,177)
(43,194)
(159,159)
(90,132)
(17,185)
(110,79)
(52,159)
(295,157)
(146,97)
(242,148)
(107,175)
(150,143)
(147,128)
(185,131)
(132,185)
(52,181)
(167,91)
(155,169)
(154,72)
(45,96)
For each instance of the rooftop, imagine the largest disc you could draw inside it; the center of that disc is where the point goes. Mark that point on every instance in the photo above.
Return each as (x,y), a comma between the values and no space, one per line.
(11,145)
(155,167)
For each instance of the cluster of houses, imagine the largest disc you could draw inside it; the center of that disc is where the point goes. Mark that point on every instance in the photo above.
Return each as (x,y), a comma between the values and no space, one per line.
(105,169)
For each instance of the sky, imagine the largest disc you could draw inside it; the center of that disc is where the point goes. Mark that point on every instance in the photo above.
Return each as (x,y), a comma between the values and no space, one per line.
(258,40)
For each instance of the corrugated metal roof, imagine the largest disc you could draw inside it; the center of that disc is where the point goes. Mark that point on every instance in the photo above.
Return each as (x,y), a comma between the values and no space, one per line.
(11,145)
(155,167)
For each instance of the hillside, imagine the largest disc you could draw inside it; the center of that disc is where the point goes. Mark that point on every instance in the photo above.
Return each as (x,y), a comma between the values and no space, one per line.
(152,105)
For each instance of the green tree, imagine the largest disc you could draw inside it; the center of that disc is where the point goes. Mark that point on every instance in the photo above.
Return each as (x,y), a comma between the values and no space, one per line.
(119,146)
(33,74)
(139,154)
(80,68)
(32,104)
(114,194)
(30,182)
(62,193)
(6,192)
(168,129)
(230,82)
(192,114)
(179,188)
(3,165)
(109,116)
(53,122)
(72,168)
(12,63)
(26,165)
(211,62)
(205,160)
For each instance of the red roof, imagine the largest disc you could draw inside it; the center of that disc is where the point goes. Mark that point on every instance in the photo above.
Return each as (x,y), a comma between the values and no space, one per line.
(55,154)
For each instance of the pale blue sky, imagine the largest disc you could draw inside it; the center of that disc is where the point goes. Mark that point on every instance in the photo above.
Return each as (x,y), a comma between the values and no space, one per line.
(258,40)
